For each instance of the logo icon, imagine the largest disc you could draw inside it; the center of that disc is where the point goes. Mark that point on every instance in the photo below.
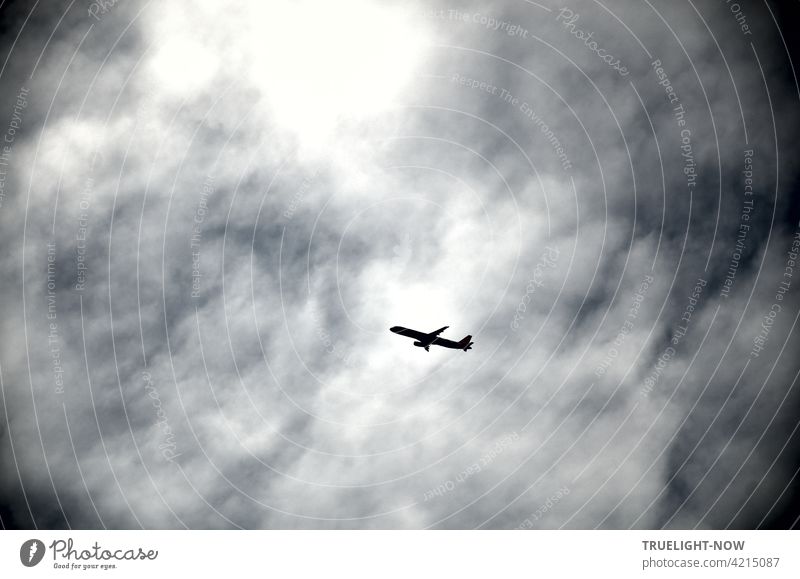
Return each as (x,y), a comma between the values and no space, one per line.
(31,552)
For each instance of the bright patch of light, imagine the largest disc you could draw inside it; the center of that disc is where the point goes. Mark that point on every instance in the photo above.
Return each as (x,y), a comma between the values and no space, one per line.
(182,63)
(318,64)
(321,62)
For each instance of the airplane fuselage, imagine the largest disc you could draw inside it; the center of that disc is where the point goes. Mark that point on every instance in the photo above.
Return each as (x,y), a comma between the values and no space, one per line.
(423,340)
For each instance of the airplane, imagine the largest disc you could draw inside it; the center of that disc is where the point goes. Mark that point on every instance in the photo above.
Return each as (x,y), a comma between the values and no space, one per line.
(427,340)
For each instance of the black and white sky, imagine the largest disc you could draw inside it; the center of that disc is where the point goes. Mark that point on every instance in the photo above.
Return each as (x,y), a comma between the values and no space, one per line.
(211,214)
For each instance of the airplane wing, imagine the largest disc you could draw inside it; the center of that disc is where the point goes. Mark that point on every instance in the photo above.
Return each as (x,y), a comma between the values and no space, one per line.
(437,332)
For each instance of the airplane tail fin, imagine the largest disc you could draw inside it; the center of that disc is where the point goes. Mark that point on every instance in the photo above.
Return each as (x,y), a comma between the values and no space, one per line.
(465,344)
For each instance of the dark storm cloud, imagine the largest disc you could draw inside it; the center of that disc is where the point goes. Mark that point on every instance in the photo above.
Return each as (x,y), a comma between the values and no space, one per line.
(225,361)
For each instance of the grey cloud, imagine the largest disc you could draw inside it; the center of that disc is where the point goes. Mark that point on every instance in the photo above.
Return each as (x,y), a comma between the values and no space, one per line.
(276,397)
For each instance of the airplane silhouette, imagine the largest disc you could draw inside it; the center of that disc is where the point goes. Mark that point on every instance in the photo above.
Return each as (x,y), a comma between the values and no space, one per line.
(427,340)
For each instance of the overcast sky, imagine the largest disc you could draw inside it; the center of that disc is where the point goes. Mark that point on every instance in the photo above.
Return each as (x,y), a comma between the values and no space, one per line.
(210,217)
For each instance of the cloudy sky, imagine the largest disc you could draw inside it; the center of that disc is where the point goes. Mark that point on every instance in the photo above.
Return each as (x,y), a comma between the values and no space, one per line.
(210,216)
